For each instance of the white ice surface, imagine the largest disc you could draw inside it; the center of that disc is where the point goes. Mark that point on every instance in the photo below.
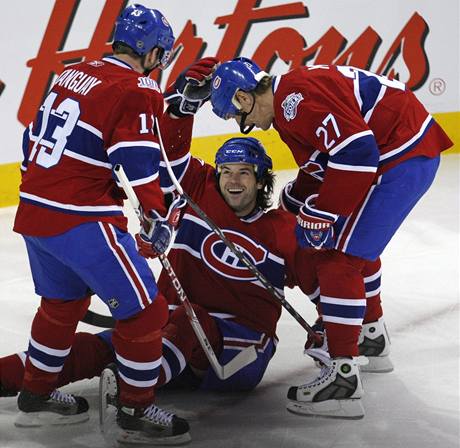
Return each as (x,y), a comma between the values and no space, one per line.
(417,405)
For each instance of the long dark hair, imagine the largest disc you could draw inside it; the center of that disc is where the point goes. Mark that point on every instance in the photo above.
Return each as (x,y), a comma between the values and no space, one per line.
(264,195)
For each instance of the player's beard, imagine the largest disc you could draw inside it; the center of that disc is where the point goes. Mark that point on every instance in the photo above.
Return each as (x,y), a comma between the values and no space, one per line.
(243,204)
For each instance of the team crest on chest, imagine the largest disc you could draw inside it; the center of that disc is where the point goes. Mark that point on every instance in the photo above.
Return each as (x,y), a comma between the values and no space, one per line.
(222,260)
(290,104)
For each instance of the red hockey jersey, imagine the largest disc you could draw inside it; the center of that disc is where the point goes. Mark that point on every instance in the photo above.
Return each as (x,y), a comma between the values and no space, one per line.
(96,115)
(347,126)
(209,272)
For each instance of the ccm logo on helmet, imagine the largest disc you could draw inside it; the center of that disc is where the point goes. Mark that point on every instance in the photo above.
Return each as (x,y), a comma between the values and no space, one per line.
(222,260)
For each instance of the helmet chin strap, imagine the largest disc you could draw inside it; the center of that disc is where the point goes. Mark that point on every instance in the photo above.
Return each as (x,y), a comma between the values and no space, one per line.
(243,128)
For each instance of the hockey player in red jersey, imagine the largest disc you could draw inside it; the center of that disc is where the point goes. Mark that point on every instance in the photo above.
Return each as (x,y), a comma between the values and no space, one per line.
(375,149)
(234,309)
(96,115)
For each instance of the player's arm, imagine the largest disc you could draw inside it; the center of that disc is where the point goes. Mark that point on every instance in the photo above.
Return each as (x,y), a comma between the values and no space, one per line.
(353,158)
(184,98)
(294,193)
(133,144)
(353,155)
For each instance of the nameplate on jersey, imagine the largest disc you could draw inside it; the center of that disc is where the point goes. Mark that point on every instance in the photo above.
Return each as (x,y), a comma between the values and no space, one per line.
(147,83)
(290,105)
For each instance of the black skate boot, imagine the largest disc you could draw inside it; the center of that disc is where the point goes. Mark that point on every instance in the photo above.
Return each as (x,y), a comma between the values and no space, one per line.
(151,426)
(57,408)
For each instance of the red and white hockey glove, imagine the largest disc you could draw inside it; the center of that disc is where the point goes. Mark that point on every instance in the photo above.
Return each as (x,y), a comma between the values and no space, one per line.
(155,237)
(315,228)
(192,88)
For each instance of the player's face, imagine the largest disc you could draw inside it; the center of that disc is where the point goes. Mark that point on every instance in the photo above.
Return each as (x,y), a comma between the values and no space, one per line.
(259,109)
(238,185)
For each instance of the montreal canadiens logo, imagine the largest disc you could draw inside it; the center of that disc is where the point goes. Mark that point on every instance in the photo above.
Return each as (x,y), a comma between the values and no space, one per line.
(222,260)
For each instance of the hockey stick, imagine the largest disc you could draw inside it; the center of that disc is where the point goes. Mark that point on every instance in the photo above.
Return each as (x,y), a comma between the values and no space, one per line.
(243,358)
(98,320)
(240,255)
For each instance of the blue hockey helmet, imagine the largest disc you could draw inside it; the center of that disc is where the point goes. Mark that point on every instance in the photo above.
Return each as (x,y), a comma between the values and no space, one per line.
(229,77)
(245,150)
(142,29)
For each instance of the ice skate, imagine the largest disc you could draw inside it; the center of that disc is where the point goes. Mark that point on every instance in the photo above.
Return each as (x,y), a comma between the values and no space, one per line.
(151,426)
(374,344)
(336,392)
(108,404)
(57,408)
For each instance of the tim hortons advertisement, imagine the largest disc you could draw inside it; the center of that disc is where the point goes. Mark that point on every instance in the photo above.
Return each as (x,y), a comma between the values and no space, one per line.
(399,41)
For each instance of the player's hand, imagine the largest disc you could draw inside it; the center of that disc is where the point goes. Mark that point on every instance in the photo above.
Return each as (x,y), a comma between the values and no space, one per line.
(192,88)
(316,347)
(287,201)
(315,228)
(155,237)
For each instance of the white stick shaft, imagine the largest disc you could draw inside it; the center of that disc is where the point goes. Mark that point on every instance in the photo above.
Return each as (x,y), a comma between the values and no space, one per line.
(243,358)
(166,160)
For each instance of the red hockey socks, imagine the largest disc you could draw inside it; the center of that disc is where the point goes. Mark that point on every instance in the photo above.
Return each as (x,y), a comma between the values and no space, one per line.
(137,343)
(372,274)
(52,334)
(88,357)
(343,302)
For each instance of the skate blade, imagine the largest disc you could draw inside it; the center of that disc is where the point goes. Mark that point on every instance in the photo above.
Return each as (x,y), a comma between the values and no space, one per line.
(108,390)
(377,364)
(137,438)
(39,419)
(350,409)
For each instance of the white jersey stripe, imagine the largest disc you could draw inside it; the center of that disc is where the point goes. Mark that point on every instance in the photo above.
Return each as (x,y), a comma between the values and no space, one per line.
(408,143)
(343,167)
(79,208)
(145,143)
(348,140)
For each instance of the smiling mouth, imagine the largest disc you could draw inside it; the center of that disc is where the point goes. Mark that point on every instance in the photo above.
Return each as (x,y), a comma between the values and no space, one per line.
(235,191)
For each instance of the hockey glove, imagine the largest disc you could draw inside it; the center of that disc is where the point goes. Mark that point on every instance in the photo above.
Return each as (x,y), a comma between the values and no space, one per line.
(155,236)
(287,201)
(317,348)
(192,88)
(315,228)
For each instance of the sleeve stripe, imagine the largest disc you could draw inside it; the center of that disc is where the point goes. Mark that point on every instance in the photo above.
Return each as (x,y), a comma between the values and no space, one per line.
(143,181)
(348,140)
(144,143)
(85,159)
(364,169)
(369,113)
(177,161)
